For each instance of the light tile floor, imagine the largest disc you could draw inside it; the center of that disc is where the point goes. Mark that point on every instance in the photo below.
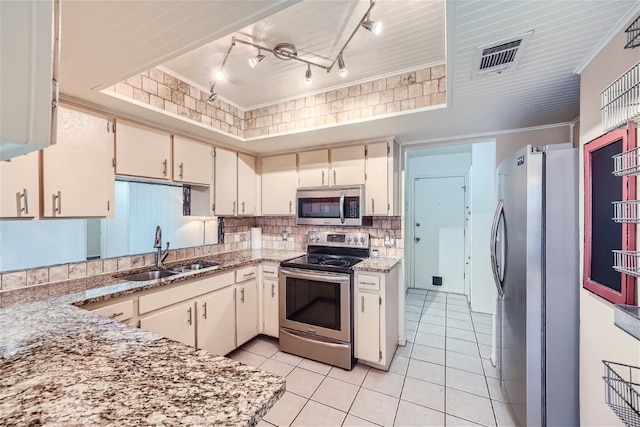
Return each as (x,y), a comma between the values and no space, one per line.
(443,376)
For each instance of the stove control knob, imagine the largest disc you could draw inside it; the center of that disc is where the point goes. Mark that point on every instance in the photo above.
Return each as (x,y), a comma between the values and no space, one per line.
(362,240)
(349,239)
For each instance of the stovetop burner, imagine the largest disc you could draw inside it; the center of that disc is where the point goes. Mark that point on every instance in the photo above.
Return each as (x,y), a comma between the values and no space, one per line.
(332,260)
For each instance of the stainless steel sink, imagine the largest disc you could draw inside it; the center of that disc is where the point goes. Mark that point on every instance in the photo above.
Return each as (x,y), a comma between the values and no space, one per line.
(202,264)
(148,275)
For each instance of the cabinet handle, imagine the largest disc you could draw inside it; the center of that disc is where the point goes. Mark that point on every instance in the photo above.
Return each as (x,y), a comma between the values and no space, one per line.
(242,295)
(334,177)
(248,274)
(164,167)
(270,272)
(243,206)
(181,170)
(190,320)
(367,283)
(25,209)
(57,203)
(273,290)
(323,178)
(233,209)
(290,206)
(114,315)
(362,304)
(204,310)
(373,205)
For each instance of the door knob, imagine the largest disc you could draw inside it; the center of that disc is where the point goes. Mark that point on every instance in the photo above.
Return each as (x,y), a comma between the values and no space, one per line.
(417,224)
(417,239)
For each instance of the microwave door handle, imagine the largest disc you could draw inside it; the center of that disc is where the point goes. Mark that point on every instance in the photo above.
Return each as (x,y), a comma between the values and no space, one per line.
(342,208)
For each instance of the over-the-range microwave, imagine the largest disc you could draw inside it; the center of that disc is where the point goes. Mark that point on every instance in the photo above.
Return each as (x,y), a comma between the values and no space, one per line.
(330,206)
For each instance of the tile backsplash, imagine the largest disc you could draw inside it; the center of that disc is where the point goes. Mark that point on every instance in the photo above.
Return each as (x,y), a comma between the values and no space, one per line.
(46,282)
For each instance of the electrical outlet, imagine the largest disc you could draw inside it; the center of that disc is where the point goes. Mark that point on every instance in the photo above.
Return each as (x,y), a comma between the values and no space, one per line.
(389,241)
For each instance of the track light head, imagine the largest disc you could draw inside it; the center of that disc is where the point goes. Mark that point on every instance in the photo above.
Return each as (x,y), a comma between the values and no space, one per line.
(374,26)
(212,97)
(341,67)
(307,75)
(254,61)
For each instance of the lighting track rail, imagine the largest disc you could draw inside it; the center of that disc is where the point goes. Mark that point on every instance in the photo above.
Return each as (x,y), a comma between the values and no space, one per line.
(286,51)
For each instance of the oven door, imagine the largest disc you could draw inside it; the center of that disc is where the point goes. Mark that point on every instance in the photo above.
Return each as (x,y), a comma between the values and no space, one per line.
(316,302)
(337,206)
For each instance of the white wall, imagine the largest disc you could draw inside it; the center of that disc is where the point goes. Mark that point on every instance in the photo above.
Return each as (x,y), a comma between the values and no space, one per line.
(483,205)
(28,244)
(600,339)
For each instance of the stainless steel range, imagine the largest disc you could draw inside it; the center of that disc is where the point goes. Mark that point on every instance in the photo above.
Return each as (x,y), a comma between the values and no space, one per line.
(316,298)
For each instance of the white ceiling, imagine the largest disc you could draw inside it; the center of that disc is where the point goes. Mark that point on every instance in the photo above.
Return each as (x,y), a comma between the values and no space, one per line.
(104,42)
(413,35)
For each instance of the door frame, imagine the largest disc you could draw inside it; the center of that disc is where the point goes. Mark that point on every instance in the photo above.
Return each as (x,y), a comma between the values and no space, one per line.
(409,226)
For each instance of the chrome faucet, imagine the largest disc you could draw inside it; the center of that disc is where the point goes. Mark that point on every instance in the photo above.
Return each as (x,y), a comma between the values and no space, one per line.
(161,255)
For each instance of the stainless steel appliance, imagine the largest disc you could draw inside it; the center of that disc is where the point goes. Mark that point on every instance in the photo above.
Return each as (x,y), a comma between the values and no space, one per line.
(316,298)
(534,255)
(330,205)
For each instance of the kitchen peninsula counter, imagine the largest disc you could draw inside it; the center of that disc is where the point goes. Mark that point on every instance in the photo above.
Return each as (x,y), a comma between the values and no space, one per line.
(62,365)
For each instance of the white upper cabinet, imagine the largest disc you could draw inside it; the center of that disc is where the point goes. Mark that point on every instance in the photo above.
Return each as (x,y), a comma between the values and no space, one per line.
(20,186)
(313,168)
(347,165)
(226,183)
(247,185)
(78,177)
(142,151)
(29,54)
(279,185)
(377,179)
(192,161)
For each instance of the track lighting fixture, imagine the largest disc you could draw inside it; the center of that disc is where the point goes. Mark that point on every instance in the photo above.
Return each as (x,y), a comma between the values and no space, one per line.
(287,51)
(254,60)
(307,75)
(341,67)
(374,26)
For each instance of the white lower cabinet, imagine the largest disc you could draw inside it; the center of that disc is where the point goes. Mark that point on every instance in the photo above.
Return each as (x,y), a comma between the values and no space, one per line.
(376,317)
(176,323)
(246,311)
(215,325)
(269,321)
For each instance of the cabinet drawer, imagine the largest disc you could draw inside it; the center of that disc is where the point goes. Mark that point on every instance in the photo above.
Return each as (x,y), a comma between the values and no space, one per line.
(119,311)
(246,273)
(270,271)
(184,292)
(371,283)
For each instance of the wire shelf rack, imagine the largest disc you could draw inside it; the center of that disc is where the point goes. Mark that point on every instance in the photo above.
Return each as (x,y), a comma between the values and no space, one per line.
(627,211)
(620,101)
(627,162)
(627,262)
(627,318)
(622,391)
(633,34)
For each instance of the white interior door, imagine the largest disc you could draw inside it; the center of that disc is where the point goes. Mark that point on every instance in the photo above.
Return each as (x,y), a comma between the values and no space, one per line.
(439,241)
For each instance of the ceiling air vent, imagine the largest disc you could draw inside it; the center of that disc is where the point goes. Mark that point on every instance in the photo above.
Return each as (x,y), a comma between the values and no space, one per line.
(499,57)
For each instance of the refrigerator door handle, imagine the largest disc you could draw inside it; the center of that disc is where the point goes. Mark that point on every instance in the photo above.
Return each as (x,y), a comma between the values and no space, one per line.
(494,239)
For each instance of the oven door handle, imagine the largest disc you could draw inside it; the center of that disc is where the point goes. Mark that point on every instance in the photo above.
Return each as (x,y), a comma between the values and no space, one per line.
(315,275)
(342,207)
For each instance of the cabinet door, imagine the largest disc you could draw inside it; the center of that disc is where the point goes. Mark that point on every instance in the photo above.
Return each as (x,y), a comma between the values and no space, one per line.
(142,151)
(247,183)
(192,161)
(279,185)
(377,180)
(226,183)
(314,168)
(270,322)
(367,337)
(347,165)
(20,186)
(176,323)
(215,327)
(246,311)
(78,177)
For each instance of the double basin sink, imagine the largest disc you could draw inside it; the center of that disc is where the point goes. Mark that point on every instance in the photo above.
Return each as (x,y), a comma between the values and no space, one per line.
(159,274)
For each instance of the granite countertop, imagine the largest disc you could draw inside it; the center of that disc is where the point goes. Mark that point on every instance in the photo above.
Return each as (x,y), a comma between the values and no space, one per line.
(381,265)
(62,365)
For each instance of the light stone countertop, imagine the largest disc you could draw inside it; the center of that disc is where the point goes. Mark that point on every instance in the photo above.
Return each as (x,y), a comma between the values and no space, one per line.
(380,265)
(62,365)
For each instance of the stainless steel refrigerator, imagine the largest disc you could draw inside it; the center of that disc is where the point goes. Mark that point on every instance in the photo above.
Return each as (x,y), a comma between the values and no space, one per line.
(534,254)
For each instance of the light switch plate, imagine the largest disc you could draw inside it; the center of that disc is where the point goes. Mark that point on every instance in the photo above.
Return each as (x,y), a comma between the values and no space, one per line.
(389,241)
